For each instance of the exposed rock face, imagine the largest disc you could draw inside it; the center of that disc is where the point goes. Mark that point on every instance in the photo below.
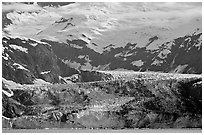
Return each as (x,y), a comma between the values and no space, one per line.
(181,55)
(129,101)
(90,76)
(25,60)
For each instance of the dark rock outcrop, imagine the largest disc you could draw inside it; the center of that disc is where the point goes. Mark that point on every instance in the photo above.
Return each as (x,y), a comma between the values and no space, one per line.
(181,55)
(26,60)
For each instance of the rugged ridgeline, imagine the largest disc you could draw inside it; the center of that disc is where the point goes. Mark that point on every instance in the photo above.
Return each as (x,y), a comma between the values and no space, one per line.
(28,61)
(125,100)
(181,55)
(65,44)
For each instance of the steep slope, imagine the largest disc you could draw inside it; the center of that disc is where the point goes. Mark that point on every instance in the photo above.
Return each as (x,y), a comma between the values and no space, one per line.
(181,55)
(25,60)
(114,36)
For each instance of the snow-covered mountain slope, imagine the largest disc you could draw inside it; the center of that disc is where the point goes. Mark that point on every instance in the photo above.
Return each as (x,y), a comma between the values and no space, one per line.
(102,24)
(164,37)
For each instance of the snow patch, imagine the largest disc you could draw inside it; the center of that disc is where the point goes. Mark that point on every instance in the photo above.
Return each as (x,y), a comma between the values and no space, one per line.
(199,45)
(40,82)
(34,44)
(20,67)
(39,41)
(60,77)
(163,54)
(72,64)
(16,47)
(7,93)
(87,66)
(5,58)
(117,55)
(76,46)
(11,84)
(128,54)
(81,56)
(3,48)
(45,72)
(27,39)
(85,39)
(157,62)
(4,41)
(137,63)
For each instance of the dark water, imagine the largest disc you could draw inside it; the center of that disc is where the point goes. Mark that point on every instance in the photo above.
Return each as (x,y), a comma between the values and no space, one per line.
(101,131)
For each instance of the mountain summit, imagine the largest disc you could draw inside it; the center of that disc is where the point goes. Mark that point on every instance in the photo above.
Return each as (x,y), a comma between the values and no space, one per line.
(164,37)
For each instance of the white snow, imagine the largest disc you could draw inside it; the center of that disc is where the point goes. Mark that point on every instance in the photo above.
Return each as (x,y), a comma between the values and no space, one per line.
(11,84)
(124,54)
(60,77)
(137,63)
(188,39)
(85,39)
(40,82)
(20,67)
(199,45)
(128,54)
(24,38)
(45,72)
(5,57)
(111,22)
(4,41)
(163,54)
(117,55)
(72,64)
(87,66)
(5,117)
(34,44)
(76,46)
(16,47)
(81,56)
(157,62)
(39,41)
(7,93)
(3,48)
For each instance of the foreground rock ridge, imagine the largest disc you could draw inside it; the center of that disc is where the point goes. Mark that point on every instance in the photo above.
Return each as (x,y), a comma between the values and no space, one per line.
(125,100)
